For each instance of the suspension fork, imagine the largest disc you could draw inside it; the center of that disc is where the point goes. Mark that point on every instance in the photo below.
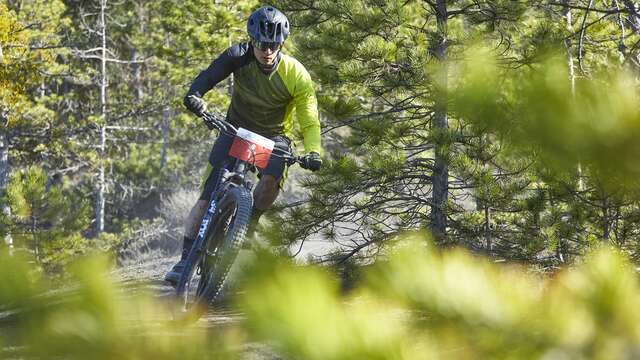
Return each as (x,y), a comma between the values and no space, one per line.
(237,176)
(239,173)
(206,220)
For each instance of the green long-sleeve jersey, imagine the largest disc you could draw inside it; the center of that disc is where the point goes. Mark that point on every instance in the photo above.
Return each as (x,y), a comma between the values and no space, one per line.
(264,101)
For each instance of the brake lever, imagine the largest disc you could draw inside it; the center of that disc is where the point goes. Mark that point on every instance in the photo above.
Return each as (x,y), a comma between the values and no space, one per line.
(212,121)
(218,122)
(293,160)
(211,125)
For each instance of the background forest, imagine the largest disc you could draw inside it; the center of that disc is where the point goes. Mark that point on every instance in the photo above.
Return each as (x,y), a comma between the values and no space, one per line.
(506,128)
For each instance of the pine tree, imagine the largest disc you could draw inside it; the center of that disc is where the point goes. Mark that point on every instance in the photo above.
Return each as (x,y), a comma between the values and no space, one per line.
(28,44)
(150,146)
(386,76)
(582,180)
(402,113)
(47,218)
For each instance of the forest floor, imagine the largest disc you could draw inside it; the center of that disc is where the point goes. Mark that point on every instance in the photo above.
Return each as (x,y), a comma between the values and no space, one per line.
(147,276)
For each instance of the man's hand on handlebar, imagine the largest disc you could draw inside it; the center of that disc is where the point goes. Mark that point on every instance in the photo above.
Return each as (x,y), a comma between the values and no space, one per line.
(311,161)
(215,121)
(196,105)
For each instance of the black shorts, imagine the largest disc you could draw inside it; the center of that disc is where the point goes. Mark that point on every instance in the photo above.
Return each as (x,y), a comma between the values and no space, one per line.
(219,159)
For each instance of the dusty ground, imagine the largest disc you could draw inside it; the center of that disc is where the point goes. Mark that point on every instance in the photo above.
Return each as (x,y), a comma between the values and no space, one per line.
(147,275)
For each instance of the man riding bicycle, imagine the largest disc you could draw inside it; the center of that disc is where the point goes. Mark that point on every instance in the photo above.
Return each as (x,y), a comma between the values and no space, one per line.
(267,86)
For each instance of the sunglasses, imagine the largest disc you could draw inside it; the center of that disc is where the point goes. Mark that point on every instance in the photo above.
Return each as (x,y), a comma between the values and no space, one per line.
(264,45)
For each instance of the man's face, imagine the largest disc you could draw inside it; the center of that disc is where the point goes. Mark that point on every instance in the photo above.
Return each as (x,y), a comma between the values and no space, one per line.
(266,57)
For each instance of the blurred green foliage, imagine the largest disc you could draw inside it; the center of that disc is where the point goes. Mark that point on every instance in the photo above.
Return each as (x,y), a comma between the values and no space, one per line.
(419,303)
(596,123)
(93,318)
(422,303)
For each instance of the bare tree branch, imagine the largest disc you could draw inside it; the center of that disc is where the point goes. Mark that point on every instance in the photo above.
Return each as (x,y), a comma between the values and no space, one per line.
(582,32)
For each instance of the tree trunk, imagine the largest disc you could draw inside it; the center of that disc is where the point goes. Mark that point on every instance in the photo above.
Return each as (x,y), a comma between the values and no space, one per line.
(36,244)
(137,75)
(618,238)
(606,217)
(100,202)
(5,171)
(562,247)
(440,192)
(487,229)
(622,49)
(137,67)
(166,113)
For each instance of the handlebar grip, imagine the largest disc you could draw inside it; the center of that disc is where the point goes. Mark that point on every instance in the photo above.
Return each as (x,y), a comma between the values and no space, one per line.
(210,124)
(296,159)
(218,122)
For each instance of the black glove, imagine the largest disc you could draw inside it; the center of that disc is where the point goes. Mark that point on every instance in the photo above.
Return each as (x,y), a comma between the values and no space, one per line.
(312,161)
(195,104)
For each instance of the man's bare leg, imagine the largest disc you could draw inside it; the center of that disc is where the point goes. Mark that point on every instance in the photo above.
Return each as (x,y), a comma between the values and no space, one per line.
(266,192)
(264,196)
(193,220)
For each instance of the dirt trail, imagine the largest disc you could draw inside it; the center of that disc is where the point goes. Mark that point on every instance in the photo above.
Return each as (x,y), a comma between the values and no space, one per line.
(147,275)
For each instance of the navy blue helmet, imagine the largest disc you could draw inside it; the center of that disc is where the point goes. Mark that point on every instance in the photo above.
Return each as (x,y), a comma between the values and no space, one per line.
(268,24)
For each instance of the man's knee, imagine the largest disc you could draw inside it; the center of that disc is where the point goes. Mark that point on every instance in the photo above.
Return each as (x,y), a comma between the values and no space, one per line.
(269,182)
(199,209)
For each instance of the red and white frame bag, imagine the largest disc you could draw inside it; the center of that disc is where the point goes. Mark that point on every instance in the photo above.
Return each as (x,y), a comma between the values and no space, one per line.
(252,148)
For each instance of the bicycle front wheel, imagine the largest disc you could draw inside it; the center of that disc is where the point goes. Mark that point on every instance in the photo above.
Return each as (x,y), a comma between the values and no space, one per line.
(223,242)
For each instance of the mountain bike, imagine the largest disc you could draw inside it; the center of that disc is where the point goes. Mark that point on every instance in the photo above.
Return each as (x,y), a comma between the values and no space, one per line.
(224,226)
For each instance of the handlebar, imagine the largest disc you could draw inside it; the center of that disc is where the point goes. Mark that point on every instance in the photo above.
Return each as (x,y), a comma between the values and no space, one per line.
(214,121)
(290,159)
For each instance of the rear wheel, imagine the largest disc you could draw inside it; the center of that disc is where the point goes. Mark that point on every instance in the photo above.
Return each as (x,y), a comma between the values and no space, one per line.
(210,265)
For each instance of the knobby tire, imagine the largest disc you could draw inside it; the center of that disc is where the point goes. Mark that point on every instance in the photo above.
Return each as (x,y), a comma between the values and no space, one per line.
(223,240)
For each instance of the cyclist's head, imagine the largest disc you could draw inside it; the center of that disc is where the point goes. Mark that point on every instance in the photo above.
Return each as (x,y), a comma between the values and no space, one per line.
(268,28)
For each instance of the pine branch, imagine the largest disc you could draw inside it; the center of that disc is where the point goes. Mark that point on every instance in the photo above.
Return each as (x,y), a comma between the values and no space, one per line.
(356,250)
(32,47)
(358,118)
(582,32)
(98,57)
(456,12)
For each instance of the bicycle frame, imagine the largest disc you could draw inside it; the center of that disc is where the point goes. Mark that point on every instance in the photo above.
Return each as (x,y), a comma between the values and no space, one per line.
(238,174)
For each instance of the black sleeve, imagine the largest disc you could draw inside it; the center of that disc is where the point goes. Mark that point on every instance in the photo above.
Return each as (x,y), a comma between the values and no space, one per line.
(230,60)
